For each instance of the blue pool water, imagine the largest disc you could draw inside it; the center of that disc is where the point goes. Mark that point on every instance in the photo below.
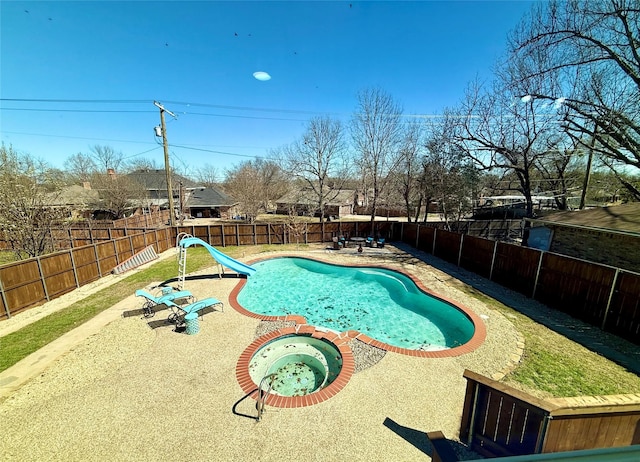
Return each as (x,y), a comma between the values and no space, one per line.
(384,304)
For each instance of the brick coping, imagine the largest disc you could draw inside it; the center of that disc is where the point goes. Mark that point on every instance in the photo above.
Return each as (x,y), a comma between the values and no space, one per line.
(339,340)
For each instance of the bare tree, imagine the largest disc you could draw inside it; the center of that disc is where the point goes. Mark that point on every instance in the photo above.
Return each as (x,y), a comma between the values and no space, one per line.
(319,160)
(504,132)
(141,163)
(255,184)
(80,166)
(376,131)
(107,158)
(28,204)
(594,47)
(207,175)
(408,176)
(118,194)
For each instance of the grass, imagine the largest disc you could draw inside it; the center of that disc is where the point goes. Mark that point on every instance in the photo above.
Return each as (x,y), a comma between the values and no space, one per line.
(555,366)
(21,343)
(552,365)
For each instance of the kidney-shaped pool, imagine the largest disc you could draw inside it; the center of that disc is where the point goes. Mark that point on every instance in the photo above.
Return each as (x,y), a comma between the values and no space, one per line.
(384,304)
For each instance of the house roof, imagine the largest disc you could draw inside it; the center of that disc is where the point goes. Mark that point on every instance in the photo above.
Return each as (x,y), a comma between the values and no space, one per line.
(308,197)
(209,197)
(623,218)
(157,180)
(75,195)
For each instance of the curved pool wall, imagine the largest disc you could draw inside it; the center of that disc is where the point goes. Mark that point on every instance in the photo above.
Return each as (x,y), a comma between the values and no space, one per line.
(340,367)
(301,364)
(474,342)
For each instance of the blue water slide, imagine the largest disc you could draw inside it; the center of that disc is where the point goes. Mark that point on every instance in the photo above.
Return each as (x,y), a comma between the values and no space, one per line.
(218,256)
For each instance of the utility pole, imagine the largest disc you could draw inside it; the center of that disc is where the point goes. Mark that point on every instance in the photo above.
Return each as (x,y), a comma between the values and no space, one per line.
(167,165)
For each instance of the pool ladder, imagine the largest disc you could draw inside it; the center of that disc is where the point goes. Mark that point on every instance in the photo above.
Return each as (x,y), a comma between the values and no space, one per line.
(262,394)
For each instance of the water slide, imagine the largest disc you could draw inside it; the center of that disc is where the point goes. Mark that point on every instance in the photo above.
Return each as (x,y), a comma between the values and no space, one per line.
(218,256)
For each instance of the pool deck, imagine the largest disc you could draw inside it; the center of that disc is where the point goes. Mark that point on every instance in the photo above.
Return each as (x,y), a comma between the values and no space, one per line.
(117,389)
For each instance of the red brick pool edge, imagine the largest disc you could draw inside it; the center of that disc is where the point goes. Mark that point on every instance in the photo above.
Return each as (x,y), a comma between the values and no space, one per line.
(340,340)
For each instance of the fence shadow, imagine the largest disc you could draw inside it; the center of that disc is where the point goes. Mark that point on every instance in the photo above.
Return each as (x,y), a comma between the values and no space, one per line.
(589,336)
(416,438)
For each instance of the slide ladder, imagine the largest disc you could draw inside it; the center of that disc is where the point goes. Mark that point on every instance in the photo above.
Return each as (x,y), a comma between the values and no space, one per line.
(182,260)
(182,267)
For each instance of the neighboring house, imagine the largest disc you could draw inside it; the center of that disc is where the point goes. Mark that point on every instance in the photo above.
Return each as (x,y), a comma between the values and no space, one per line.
(305,202)
(608,235)
(82,201)
(155,182)
(210,203)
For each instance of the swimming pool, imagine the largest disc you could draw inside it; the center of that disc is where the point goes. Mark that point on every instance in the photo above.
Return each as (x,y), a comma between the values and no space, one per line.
(383,304)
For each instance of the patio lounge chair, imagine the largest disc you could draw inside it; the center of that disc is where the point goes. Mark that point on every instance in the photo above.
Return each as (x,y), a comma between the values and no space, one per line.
(381,242)
(179,312)
(369,242)
(151,301)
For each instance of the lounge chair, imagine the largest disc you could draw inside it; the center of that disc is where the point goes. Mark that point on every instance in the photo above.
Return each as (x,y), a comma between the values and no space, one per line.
(381,242)
(148,309)
(179,312)
(369,242)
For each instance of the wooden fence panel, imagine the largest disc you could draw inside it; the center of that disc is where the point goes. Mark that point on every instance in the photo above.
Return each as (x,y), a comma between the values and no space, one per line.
(107,258)
(623,318)
(22,284)
(123,249)
(578,288)
(447,246)
(477,255)
(85,264)
(58,274)
(515,267)
(426,236)
(139,242)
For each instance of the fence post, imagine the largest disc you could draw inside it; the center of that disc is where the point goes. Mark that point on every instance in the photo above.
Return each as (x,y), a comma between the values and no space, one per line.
(269,233)
(433,247)
(115,249)
(535,283)
(95,252)
(42,278)
(460,250)
(222,233)
(611,292)
(402,232)
(255,238)
(493,259)
(237,234)
(4,300)
(133,250)
(75,269)
(417,235)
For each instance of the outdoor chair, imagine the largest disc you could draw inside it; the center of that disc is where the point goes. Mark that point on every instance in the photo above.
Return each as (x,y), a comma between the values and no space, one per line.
(369,242)
(178,312)
(151,301)
(381,242)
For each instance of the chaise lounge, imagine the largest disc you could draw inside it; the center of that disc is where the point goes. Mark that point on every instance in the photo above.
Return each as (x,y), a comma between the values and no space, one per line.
(151,301)
(179,312)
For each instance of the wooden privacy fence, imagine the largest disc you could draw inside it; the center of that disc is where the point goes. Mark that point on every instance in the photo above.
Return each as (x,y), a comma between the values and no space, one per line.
(498,420)
(603,296)
(37,280)
(226,234)
(31,282)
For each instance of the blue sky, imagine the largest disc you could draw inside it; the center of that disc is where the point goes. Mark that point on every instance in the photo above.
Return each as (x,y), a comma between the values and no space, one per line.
(77,74)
